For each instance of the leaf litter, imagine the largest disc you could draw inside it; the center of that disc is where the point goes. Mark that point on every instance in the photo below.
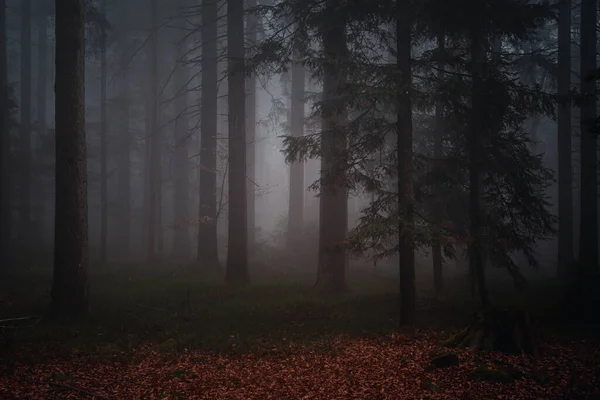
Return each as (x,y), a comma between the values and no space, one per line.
(387,367)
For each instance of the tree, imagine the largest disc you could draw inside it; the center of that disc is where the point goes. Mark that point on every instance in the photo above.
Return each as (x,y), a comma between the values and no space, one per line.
(333,202)
(297,189)
(4,148)
(565,169)
(69,294)
(588,231)
(25,131)
(207,229)
(404,132)
(236,272)
(181,192)
(154,139)
(103,144)
(436,248)
(251,34)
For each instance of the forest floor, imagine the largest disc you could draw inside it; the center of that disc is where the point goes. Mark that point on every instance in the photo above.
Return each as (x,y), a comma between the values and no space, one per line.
(177,335)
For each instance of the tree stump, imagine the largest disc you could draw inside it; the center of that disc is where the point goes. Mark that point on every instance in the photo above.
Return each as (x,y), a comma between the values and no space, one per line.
(508,331)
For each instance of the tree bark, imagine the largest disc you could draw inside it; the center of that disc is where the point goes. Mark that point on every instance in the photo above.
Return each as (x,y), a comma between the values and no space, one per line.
(25,128)
(69,294)
(436,249)
(103,144)
(404,132)
(565,167)
(297,189)
(181,192)
(207,229)
(333,201)
(236,272)
(588,228)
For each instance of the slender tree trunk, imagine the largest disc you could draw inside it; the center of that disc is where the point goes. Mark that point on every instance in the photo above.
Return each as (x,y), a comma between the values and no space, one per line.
(124,159)
(5,225)
(588,229)
(154,156)
(436,250)
(477,129)
(333,201)
(236,272)
(181,192)
(69,295)
(42,84)
(297,189)
(25,131)
(252,29)
(565,168)
(103,145)
(404,132)
(207,230)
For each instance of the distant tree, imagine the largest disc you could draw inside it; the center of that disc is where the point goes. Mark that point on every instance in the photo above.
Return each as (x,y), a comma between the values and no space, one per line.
(565,169)
(207,229)
(25,157)
(588,228)
(69,295)
(236,272)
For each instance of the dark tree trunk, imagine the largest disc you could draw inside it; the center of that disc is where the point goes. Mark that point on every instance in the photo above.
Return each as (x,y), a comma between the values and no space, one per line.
(154,156)
(588,228)
(436,249)
(252,27)
(25,131)
(565,168)
(5,225)
(69,295)
(297,189)
(42,83)
(181,192)
(475,246)
(103,144)
(333,201)
(404,132)
(124,159)
(236,272)
(207,229)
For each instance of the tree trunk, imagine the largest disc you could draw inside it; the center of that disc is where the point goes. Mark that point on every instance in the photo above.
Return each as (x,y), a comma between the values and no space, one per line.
(25,128)
(565,168)
(124,159)
(103,144)
(588,230)
(477,128)
(69,295)
(297,189)
(436,249)
(333,202)
(42,83)
(5,222)
(181,192)
(404,132)
(252,27)
(208,255)
(154,156)
(236,272)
